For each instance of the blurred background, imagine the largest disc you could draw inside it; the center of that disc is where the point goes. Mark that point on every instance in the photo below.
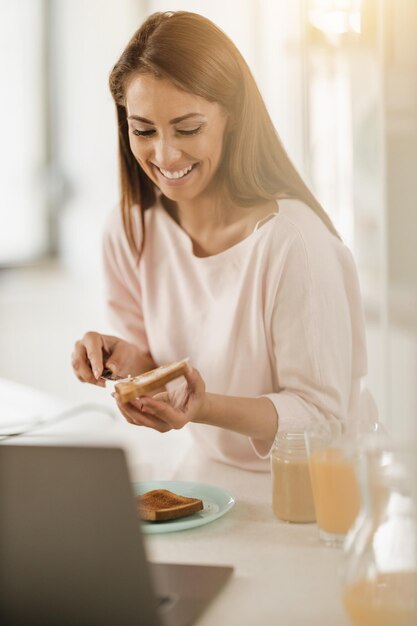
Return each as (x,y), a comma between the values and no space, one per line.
(340,80)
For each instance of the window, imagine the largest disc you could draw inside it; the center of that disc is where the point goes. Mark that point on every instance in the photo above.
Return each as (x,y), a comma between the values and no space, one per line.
(23,203)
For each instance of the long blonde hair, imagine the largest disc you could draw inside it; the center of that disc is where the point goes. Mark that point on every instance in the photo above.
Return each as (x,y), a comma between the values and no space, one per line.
(196,56)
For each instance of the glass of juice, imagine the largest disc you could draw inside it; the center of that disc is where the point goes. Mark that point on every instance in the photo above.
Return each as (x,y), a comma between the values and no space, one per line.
(334,482)
(292,498)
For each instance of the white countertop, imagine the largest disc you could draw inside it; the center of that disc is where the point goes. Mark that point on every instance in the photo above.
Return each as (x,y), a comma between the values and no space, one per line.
(282,574)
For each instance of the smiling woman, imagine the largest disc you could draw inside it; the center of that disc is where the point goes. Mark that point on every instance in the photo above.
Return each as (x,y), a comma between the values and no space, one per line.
(197,58)
(220,252)
(181,148)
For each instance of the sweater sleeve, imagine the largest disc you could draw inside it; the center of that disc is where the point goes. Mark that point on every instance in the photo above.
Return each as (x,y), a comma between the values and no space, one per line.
(318,336)
(122,284)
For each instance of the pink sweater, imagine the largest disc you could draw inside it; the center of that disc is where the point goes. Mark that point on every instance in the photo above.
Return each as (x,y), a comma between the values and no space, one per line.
(279,315)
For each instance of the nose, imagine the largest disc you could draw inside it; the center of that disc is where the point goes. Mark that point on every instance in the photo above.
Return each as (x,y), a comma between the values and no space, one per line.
(166,154)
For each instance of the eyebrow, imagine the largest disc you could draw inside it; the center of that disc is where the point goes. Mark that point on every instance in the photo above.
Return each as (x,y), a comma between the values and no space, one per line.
(173,121)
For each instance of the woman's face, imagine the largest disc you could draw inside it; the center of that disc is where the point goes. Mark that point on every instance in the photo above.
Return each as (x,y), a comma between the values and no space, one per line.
(176,137)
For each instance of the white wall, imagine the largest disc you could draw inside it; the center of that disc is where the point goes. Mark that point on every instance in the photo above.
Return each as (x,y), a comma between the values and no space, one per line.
(89,37)
(23,231)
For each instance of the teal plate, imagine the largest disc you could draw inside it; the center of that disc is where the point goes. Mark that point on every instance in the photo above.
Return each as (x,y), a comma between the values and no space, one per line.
(217,502)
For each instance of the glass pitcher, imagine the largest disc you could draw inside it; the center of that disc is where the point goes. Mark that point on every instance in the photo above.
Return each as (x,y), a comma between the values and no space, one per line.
(380,573)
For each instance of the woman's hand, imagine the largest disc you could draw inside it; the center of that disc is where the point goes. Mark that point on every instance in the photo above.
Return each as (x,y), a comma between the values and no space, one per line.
(170,409)
(253,417)
(94,352)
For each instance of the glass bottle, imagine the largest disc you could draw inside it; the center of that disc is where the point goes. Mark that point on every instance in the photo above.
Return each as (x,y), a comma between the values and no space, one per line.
(380,574)
(292,498)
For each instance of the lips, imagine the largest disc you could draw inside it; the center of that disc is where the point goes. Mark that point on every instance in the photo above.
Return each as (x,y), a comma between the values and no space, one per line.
(176,174)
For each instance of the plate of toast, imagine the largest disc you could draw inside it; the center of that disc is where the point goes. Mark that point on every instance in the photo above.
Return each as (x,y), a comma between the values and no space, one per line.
(172,505)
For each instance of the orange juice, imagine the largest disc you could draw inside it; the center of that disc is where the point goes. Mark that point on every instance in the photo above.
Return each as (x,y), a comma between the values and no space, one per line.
(335,490)
(389,600)
(292,498)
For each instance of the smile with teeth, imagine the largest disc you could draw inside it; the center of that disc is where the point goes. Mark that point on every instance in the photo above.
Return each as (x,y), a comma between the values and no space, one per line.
(177,174)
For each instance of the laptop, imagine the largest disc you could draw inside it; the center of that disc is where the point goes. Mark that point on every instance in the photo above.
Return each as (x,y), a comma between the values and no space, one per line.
(71,549)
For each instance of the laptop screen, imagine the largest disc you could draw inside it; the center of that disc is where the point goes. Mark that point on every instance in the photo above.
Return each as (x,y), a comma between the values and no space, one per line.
(71,550)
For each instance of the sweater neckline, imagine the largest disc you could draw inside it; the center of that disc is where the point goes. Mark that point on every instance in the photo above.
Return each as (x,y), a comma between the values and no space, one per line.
(261,228)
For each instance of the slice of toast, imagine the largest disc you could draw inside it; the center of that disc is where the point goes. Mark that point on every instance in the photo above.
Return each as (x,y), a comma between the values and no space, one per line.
(150,381)
(160,505)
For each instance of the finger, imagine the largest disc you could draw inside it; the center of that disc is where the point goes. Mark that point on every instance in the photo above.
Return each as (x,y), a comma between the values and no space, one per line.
(110,357)
(125,414)
(93,343)
(163,411)
(116,362)
(124,409)
(98,383)
(194,380)
(162,396)
(152,422)
(81,365)
(135,416)
(122,359)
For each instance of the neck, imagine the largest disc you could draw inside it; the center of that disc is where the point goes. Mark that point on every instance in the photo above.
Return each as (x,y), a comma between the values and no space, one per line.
(213,224)
(206,212)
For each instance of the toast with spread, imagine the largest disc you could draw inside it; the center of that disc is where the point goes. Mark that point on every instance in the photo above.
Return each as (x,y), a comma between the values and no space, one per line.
(161,505)
(151,381)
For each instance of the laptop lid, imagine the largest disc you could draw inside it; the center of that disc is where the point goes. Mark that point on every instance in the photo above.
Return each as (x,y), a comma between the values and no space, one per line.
(71,551)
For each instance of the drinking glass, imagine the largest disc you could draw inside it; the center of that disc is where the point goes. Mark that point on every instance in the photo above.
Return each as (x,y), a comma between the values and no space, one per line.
(292,498)
(335,487)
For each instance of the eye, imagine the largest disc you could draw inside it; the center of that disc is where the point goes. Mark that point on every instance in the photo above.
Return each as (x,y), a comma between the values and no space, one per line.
(192,131)
(143,133)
